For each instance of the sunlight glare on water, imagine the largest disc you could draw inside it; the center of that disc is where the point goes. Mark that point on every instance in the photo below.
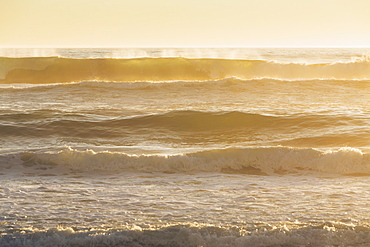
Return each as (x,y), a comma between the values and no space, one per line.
(184,147)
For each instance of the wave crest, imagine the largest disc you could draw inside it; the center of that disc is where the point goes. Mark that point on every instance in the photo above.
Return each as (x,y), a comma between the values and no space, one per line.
(261,161)
(52,70)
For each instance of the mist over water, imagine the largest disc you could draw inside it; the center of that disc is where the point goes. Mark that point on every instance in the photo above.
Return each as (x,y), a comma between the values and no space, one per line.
(58,69)
(184,147)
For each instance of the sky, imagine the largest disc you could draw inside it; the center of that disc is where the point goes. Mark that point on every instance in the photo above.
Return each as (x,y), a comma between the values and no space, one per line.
(184,23)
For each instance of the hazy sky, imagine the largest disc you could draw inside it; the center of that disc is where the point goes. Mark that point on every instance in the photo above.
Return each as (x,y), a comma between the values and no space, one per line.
(179,23)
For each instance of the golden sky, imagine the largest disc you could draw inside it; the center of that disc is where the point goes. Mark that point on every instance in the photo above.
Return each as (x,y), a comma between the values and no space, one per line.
(184,23)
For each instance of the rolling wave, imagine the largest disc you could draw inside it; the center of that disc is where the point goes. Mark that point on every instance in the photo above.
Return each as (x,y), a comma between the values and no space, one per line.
(325,234)
(259,161)
(69,124)
(219,86)
(183,127)
(59,70)
(232,84)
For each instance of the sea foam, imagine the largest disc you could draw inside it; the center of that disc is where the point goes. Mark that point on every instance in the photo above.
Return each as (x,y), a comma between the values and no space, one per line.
(326,234)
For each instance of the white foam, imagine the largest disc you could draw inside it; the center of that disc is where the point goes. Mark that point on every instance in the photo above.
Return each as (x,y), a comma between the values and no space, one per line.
(326,234)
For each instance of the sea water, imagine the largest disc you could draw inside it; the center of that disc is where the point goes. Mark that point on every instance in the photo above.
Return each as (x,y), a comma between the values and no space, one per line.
(185,147)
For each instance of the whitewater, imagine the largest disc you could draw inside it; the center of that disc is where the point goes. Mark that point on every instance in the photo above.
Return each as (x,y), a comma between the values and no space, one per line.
(185,147)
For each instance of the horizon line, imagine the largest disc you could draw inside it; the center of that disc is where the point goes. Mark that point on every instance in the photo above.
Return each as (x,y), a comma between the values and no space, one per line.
(175,47)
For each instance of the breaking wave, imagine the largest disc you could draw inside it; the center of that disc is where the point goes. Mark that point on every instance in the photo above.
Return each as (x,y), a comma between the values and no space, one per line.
(259,161)
(325,234)
(55,69)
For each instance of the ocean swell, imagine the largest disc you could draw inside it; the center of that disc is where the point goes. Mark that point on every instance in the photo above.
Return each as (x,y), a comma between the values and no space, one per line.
(68,124)
(259,160)
(54,69)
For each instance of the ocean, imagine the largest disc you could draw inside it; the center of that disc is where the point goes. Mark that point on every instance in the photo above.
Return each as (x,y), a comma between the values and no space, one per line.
(185,147)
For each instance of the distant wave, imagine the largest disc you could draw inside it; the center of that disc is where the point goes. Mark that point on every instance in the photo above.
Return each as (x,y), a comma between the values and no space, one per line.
(325,234)
(55,69)
(259,160)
